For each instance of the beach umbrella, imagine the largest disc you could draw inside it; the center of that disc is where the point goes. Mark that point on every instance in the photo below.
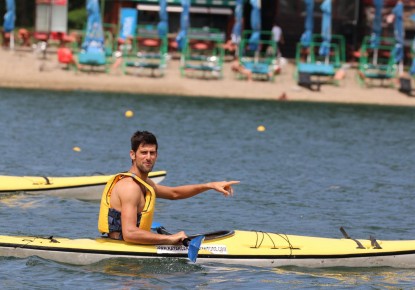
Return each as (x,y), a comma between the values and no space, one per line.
(325,28)
(255,25)
(412,69)
(9,19)
(94,36)
(377,24)
(376,29)
(398,32)
(237,26)
(9,16)
(307,35)
(184,25)
(163,25)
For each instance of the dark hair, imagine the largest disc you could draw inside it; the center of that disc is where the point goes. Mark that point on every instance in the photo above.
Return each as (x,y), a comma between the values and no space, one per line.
(143,137)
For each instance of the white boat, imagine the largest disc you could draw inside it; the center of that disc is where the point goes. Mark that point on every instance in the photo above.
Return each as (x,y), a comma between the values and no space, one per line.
(79,187)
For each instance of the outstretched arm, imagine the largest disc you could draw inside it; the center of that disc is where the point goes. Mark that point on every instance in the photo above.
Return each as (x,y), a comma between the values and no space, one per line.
(186,191)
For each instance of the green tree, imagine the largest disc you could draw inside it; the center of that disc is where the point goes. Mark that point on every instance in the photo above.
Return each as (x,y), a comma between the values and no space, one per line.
(77,18)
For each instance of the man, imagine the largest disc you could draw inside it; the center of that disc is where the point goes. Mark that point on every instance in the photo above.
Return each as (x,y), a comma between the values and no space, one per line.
(277,37)
(237,67)
(128,200)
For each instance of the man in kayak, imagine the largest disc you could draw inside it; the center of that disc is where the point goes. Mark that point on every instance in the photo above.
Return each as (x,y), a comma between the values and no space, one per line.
(128,200)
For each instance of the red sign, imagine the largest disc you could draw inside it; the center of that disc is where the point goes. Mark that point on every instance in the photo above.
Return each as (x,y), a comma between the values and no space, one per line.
(60,2)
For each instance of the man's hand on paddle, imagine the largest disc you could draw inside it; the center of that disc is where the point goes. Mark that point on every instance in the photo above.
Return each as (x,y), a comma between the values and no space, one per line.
(177,238)
(225,187)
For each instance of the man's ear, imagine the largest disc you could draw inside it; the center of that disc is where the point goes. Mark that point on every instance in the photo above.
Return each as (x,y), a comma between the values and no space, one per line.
(132,155)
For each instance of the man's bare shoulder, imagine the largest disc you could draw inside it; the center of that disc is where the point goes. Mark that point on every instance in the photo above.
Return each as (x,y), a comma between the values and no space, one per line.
(126,181)
(126,186)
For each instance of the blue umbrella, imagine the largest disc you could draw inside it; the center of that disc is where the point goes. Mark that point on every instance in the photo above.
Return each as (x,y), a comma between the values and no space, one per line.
(184,25)
(9,16)
(377,24)
(163,25)
(237,26)
(94,37)
(255,25)
(399,32)
(306,37)
(412,69)
(326,28)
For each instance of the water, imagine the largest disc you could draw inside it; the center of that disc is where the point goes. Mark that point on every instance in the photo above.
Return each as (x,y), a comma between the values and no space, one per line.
(316,167)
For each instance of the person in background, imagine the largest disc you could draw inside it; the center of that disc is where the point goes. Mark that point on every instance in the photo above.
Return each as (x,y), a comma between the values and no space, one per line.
(277,36)
(23,37)
(231,47)
(128,200)
(238,68)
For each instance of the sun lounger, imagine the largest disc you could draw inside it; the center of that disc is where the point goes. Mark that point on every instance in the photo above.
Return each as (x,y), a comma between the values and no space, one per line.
(149,52)
(203,54)
(376,64)
(324,68)
(262,60)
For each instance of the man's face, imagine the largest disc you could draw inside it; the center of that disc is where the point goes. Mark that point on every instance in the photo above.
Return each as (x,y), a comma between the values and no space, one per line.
(145,157)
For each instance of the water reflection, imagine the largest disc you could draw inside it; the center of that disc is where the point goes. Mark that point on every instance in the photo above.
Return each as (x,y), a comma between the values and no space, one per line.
(148,268)
(377,277)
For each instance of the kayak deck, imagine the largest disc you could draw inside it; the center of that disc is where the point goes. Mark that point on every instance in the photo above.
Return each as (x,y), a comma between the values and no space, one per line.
(80,187)
(242,247)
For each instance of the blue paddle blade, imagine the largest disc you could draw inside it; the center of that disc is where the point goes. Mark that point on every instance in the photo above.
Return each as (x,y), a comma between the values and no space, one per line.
(155,226)
(194,247)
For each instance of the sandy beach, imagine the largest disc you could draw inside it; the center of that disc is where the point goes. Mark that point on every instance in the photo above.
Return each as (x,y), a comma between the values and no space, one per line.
(20,69)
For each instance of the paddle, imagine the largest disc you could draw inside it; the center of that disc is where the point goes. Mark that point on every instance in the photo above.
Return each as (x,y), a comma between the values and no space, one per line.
(192,243)
(155,226)
(193,247)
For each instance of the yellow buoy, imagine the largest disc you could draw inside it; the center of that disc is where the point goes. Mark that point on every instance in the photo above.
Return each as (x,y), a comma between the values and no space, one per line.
(76,149)
(129,114)
(260,128)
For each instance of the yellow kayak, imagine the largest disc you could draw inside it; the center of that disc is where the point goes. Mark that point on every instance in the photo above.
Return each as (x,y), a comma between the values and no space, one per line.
(253,248)
(81,187)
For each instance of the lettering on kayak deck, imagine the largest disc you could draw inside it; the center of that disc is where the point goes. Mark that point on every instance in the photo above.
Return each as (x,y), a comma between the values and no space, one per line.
(214,249)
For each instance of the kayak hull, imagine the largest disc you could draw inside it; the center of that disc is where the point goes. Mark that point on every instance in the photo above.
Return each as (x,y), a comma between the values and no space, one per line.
(241,248)
(75,258)
(79,187)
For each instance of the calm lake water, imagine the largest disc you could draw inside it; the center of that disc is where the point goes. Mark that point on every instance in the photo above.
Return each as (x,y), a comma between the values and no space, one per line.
(315,168)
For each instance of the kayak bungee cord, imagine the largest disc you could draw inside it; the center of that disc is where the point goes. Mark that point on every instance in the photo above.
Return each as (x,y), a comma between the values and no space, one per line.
(50,238)
(282,236)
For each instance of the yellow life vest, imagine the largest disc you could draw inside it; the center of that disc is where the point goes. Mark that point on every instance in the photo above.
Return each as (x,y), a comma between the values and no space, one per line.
(146,214)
